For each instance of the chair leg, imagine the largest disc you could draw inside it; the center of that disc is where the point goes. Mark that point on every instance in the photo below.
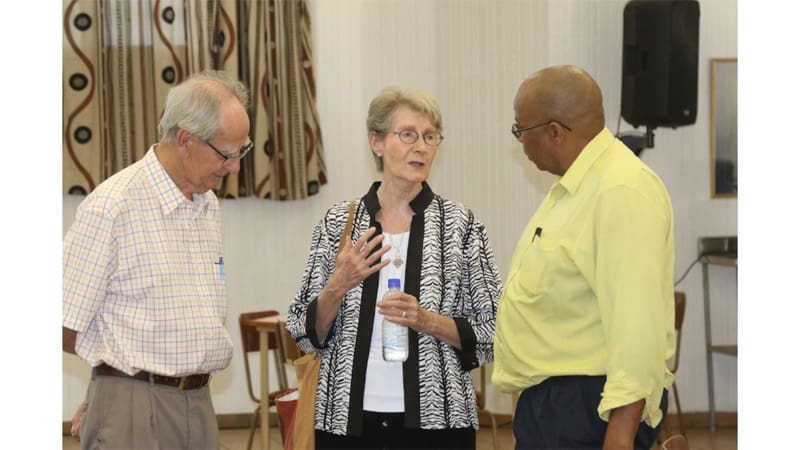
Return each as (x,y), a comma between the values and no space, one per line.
(494,431)
(678,407)
(253,424)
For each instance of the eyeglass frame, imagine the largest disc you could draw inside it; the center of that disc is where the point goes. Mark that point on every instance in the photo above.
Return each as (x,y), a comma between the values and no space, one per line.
(517,132)
(226,157)
(425,140)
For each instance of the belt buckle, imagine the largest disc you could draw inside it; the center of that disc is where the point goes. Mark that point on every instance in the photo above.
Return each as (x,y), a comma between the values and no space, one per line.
(182,384)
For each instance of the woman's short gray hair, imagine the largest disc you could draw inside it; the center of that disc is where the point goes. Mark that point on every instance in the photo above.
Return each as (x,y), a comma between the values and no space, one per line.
(194,104)
(382,107)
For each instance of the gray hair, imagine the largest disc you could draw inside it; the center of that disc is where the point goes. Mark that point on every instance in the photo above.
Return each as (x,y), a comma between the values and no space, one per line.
(194,104)
(382,107)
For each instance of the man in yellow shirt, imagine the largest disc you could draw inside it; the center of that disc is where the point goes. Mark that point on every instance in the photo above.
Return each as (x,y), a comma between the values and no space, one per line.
(585,322)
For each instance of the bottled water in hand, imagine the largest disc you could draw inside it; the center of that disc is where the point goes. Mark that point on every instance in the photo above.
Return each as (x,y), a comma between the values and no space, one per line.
(394,336)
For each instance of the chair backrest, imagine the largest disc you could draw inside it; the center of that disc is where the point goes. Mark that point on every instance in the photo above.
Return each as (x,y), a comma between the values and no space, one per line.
(251,343)
(680,312)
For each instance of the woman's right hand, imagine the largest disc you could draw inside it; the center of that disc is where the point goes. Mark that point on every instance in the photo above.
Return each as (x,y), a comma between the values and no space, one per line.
(353,265)
(356,262)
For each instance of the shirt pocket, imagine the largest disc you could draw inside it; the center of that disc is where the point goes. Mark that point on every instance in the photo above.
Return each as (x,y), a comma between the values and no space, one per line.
(537,267)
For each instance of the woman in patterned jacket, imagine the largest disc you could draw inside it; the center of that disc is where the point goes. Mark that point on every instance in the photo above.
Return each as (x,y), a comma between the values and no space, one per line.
(450,285)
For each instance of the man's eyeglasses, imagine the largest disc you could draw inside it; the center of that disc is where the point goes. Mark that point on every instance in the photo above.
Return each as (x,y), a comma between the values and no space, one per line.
(411,136)
(517,131)
(226,157)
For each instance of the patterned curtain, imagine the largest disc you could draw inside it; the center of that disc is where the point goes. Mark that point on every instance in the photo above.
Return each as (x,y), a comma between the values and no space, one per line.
(120,57)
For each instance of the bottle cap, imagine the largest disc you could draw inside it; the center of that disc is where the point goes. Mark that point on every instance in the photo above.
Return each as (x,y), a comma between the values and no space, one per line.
(394,283)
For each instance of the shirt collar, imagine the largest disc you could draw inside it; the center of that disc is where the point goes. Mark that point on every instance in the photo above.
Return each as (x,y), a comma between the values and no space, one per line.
(576,172)
(418,204)
(169,195)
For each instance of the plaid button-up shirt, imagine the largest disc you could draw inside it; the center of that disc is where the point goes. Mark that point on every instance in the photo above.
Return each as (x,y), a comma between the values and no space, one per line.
(143,279)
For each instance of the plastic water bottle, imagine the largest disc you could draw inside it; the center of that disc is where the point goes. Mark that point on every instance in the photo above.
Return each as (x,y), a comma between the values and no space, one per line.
(395,336)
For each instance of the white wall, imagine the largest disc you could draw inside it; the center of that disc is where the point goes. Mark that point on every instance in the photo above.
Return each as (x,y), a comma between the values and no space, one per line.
(472,55)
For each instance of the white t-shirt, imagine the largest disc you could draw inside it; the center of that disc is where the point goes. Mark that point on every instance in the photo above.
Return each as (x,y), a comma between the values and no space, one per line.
(383,386)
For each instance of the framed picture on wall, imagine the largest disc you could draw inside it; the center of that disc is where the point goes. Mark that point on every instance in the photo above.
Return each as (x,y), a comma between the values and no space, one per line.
(724,122)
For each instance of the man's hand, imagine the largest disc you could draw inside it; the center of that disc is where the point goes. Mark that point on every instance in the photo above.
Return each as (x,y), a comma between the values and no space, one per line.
(622,426)
(75,431)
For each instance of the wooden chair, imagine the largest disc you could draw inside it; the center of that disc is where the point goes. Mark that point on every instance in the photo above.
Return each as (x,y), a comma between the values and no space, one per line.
(480,394)
(250,345)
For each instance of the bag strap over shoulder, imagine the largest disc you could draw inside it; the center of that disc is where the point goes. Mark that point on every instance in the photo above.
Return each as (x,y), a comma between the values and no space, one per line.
(347,227)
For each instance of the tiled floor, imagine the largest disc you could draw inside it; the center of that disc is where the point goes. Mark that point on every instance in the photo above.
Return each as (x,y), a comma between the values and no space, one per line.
(699,439)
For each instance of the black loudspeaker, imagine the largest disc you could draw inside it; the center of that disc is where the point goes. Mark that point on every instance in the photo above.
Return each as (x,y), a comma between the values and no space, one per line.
(659,62)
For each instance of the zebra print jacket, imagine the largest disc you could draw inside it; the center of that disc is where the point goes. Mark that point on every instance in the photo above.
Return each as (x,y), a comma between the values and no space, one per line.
(450,269)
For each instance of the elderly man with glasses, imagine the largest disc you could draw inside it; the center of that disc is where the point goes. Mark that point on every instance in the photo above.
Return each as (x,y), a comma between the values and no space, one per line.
(144,278)
(584,326)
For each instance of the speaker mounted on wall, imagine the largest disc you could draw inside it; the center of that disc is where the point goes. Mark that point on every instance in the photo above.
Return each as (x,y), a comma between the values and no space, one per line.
(659,62)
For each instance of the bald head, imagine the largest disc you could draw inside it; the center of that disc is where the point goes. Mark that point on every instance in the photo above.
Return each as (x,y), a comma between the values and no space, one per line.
(566,94)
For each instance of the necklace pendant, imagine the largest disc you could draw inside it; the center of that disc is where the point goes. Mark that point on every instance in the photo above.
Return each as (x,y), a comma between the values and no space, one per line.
(397,261)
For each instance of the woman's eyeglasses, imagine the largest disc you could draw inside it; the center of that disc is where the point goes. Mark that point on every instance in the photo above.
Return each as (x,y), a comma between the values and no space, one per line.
(411,136)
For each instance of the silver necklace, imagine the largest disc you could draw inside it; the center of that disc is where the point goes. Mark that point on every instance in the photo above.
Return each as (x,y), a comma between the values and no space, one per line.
(398,260)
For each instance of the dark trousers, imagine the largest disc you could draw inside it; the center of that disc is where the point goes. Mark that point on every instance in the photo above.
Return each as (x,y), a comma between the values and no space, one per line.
(386,431)
(561,413)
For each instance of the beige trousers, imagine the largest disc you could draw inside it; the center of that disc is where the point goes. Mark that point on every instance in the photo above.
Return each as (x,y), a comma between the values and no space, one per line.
(131,414)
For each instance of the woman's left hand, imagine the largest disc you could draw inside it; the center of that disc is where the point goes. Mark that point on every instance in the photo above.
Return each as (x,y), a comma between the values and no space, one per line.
(402,308)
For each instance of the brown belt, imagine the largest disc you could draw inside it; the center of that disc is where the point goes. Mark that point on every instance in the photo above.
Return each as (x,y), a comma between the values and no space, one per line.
(184,383)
